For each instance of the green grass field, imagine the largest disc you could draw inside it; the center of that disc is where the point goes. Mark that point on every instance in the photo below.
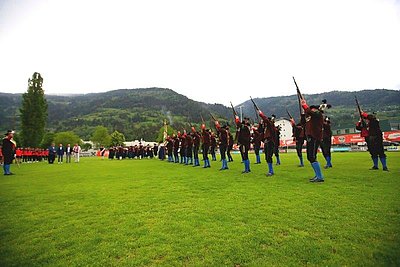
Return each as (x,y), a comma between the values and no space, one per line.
(148,212)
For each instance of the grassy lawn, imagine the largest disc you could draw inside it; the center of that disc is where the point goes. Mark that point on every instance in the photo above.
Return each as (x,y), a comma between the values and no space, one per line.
(150,212)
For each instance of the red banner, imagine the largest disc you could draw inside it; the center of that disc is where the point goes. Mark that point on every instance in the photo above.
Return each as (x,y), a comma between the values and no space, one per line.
(392,136)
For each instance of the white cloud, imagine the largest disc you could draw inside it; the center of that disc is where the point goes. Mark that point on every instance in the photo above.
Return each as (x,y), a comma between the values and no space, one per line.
(213,51)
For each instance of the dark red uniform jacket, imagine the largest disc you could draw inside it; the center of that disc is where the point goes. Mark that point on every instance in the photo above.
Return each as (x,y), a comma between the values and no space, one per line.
(269,130)
(314,123)
(205,137)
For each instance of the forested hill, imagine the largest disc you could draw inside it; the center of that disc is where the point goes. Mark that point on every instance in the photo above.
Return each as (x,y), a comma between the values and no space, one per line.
(139,113)
(386,103)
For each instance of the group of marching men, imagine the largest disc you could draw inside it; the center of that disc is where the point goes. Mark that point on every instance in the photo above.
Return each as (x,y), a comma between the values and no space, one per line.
(132,152)
(314,129)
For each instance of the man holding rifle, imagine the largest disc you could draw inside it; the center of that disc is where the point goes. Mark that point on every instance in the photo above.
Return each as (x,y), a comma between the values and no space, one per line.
(314,124)
(257,136)
(189,149)
(176,148)
(326,142)
(370,130)
(244,141)
(269,138)
(206,142)
(223,143)
(313,131)
(196,146)
(375,140)
(298,135)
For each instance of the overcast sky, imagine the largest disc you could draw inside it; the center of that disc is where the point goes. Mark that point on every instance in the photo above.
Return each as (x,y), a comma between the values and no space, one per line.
(209,50)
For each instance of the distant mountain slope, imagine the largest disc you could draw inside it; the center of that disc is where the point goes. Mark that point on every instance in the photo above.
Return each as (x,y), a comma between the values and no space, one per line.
(139,113)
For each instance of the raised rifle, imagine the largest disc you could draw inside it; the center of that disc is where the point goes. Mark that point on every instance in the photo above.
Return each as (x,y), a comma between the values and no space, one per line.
(254,103)
(298,90)
(202,119)
(290,115)
(360,112)
(212,117)
(234,111)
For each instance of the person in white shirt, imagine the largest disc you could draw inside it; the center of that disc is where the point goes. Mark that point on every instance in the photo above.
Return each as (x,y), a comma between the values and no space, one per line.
(77,151)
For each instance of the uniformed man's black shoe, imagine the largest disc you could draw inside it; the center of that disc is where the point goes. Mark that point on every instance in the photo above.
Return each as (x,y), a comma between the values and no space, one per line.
(270,174)
(385,169)
(313,179)
(317,180)
(245,172)
(374,168)
(300,165)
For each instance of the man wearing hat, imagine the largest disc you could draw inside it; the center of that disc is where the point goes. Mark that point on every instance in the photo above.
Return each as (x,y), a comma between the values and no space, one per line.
(244,141)
(313,127)
(269,141)
(375,140)
(230,145)
(223,137)
(8,148)
(206,141)
(277,139)
(299,136)
(326,142)
(196,146)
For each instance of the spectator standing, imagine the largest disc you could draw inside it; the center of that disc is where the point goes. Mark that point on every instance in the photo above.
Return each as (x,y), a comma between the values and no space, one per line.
(68,153)
(60,153)
(77,152)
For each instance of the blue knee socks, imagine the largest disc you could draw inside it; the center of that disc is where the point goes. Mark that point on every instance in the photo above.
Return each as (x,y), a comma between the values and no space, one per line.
(270,168)
(375,160)
(383,161)
(317,170)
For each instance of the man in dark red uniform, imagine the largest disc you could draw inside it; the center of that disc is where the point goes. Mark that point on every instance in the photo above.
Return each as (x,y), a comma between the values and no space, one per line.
(170,146)
(206,141)
(230,145)
(257,137)
(182,148)
(326,142)
(223,144)
(313,127)
(213,146)
(299,136)
(196,146)
(243,131)
(269,141)
(189,149)
(176,148)
(363,128)
(375,139)
(8,150)
(277,140)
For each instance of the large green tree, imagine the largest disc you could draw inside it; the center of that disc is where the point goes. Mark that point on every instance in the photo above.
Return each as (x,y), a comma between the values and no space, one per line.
(48,138)
(66,138)
(33,112)
(101,136)
(117,138)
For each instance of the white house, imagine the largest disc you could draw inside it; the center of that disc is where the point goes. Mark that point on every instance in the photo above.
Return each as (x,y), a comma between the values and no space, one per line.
(286,129)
